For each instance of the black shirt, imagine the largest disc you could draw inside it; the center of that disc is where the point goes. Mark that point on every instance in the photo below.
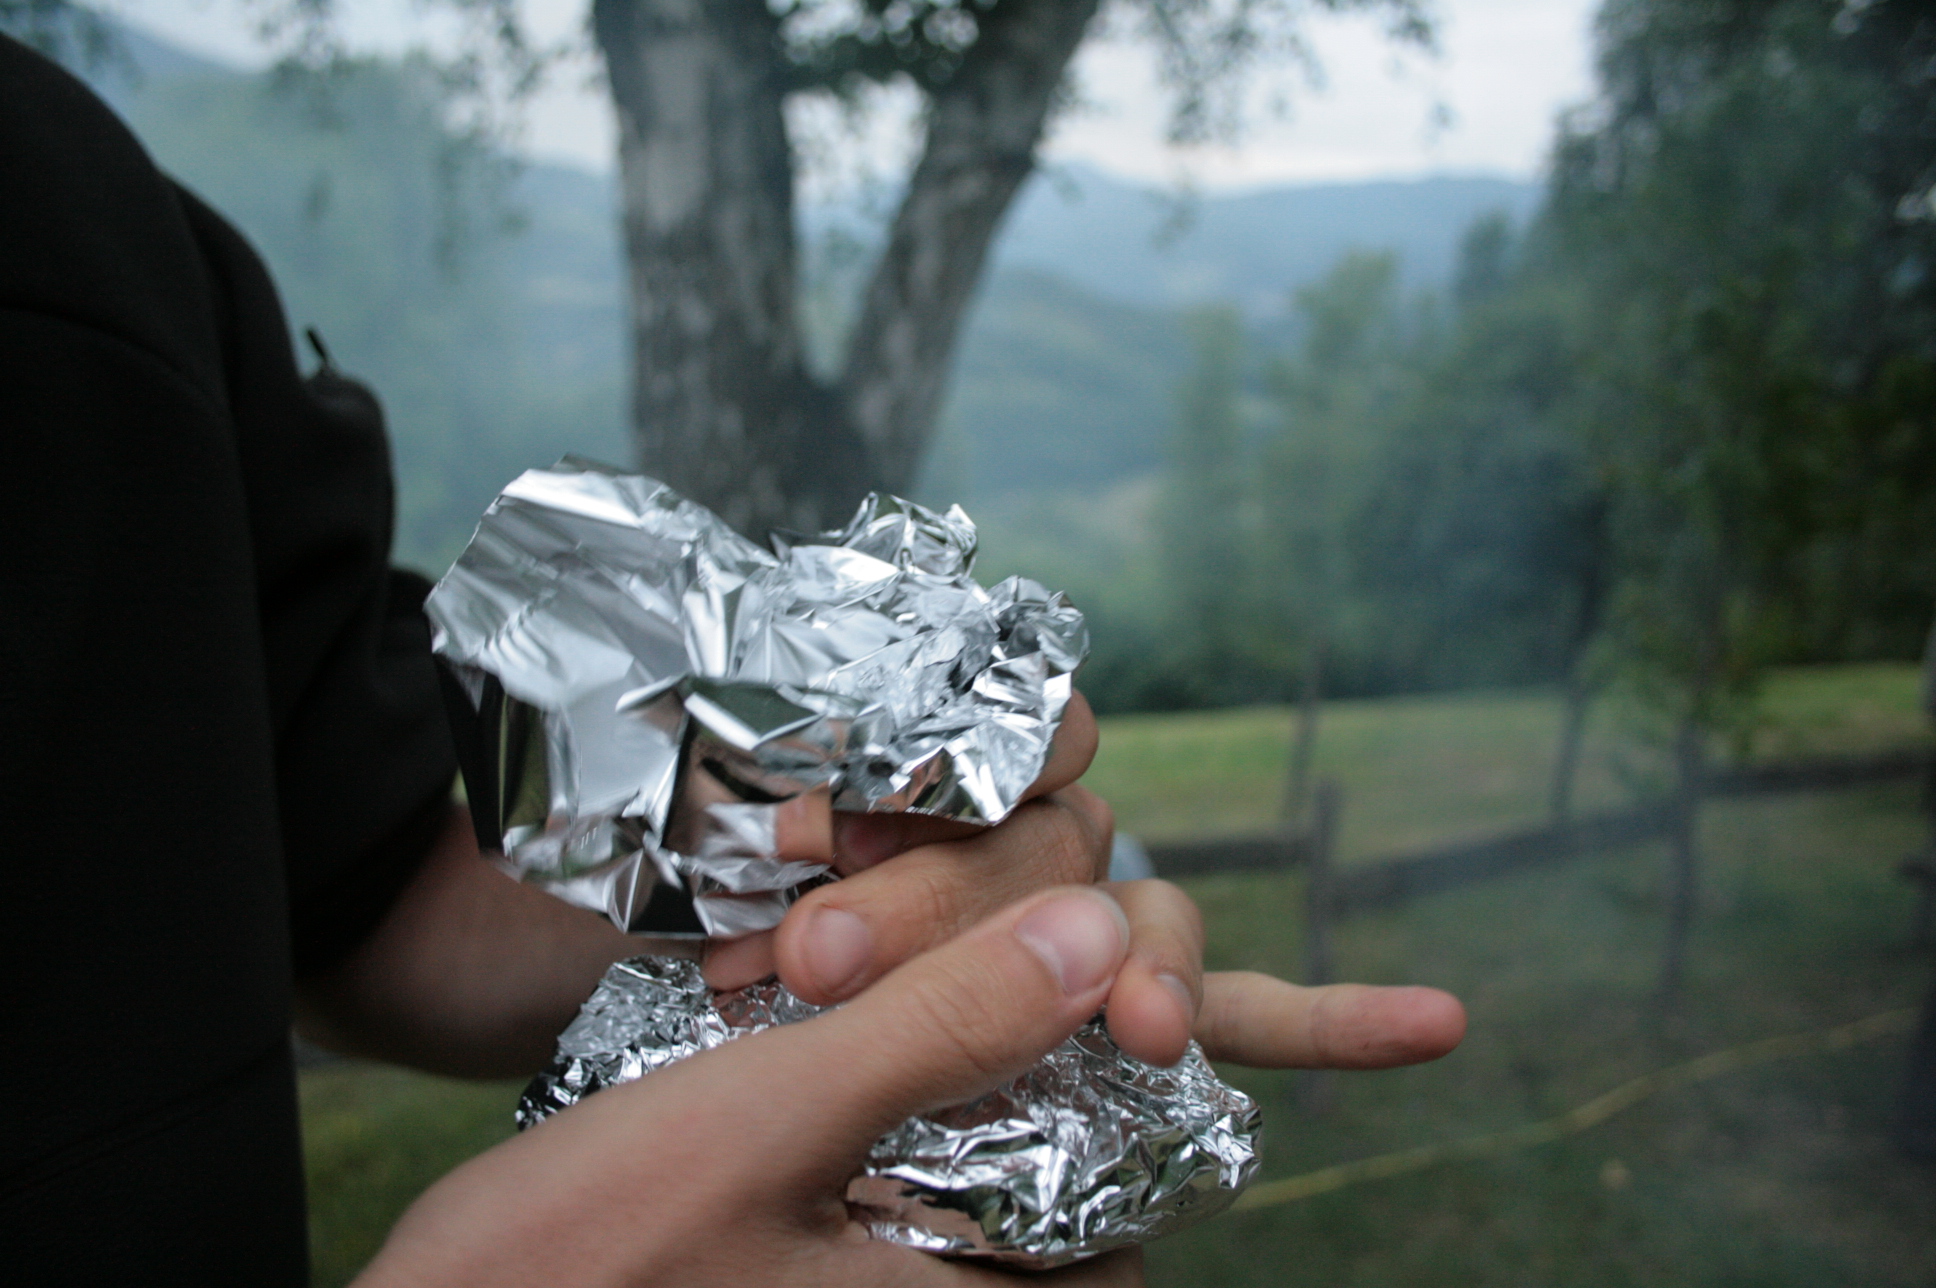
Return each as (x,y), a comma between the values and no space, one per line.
(221,746)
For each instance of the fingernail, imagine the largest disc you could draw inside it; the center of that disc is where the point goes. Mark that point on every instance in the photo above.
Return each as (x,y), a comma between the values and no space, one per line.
(1186,1004)
(1080,937)
(839,946)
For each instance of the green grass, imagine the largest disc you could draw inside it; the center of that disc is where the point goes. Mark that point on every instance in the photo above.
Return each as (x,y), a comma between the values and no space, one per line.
(1774,1176)
(374,1138)
(1420,771)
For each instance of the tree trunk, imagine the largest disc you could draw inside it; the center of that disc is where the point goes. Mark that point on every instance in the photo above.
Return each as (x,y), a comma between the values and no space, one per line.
(721,398)
(1579,690)
(1319,898)
(1317,1090)
(1304,741)
(1916,1120)
(724,407)
(1684,856)
(983,127)
(1566,760)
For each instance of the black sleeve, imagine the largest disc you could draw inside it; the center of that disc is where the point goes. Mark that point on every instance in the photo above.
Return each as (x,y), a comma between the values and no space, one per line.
(364,764)
(221,744)
(103,254)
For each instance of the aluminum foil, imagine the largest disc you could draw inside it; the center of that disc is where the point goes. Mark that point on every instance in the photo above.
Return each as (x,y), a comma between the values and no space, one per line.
(1089,1150)
(636,688)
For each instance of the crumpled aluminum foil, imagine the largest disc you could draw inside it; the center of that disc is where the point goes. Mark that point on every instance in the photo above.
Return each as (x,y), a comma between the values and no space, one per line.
(635,688)
(1090,1150)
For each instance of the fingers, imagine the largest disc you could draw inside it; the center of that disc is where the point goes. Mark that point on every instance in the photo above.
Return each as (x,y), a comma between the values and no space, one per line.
(807,829)
(1254,1020)
(862,840)
(802,831)
(803,827)
(1153,1006)
(735,963)
(947,1026)
(1069,755)
(841,937)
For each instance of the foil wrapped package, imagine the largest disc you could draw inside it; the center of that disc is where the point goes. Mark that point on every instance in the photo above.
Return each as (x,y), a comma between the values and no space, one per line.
(1089,1150)
(636,688)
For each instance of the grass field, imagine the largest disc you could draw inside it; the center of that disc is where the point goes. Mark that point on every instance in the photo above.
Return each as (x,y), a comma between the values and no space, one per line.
(1775,1176)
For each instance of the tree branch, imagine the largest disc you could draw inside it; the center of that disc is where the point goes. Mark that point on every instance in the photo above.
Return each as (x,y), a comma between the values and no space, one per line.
(983,127)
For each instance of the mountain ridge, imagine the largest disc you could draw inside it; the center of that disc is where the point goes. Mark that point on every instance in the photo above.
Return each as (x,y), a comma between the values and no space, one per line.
(1064,375)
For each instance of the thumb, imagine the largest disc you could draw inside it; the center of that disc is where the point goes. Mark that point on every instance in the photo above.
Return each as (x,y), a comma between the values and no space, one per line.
(950,1024)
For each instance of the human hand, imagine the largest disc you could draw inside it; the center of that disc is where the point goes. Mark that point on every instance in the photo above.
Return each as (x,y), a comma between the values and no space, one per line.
(913,882)
(700,1175)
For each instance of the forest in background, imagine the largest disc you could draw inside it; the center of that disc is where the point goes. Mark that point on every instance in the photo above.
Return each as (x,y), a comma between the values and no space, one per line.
(485,303)
(1662,421)
(1672,431)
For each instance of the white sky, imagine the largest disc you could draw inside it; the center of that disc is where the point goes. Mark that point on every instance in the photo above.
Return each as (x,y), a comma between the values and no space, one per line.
(1507,69)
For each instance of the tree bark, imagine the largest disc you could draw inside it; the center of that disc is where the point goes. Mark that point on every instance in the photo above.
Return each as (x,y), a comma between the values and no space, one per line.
(983,128)
(724,407)
(1579,690)
(721,399)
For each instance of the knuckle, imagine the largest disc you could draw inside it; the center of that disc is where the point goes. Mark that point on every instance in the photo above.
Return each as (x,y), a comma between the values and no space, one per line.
(934,900)
(1094,810)
(1182,910)
(1217,1025)
(1166,922)
(1074,852)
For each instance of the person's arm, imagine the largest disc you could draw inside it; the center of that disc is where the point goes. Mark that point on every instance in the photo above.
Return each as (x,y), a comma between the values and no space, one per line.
(472,973)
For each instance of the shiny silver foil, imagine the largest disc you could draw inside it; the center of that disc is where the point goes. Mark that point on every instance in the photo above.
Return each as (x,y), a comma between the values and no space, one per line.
(636,688)
(1089,1150)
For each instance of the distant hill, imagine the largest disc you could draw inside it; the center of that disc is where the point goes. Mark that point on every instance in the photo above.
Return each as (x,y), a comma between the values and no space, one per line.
(1054,388)
(1107,236)
(517,353)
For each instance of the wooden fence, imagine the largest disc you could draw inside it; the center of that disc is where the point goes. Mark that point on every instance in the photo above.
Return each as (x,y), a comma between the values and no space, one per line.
(1387,882)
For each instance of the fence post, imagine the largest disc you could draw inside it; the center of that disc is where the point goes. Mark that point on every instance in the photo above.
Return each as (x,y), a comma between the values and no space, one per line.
(1684,857)
(1566,756)
(1317,1088)
(1319,899)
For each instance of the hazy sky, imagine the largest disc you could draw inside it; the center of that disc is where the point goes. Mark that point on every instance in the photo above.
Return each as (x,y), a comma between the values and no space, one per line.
(1508,67)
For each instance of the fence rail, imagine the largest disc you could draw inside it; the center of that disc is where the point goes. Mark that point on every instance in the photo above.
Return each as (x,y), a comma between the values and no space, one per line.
(1386,882)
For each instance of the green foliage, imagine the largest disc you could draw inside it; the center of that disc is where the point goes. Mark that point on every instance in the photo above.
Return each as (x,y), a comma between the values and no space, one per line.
(1743,221)
(1333,400)
(1679,431)
(1408,509)
(1202,520)
(1208,50)
(59,29)
(1481,541)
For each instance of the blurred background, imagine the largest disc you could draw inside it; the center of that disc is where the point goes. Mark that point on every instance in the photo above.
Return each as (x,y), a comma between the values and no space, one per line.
(1494,440)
